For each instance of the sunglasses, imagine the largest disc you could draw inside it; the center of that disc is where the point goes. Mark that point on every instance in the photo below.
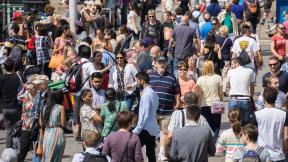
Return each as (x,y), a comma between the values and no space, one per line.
(214,24)
(173,19)
(283,28)
(273,64)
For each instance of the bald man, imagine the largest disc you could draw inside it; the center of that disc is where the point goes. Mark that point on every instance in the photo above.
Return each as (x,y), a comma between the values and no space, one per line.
(230,19)
(183,38)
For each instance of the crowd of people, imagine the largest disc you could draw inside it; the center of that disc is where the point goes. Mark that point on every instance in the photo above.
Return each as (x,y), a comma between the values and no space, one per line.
(128,79)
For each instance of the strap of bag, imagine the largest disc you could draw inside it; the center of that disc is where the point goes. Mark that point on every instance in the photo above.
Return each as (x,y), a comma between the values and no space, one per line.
(183,117)
(126,147)
(243,150)
(259,150)
(115,119)
(223,44)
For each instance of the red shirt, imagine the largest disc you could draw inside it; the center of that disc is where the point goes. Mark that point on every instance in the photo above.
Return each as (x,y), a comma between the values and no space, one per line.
(280,45)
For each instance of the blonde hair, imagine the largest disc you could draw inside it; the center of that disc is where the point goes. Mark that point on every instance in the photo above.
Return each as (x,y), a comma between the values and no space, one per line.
(223,30)
(208,68)
(269,79)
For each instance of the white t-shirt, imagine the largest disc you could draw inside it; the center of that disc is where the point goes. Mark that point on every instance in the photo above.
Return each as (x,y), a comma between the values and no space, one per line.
(137,19)
(250,46)
(270,123)
(240,79)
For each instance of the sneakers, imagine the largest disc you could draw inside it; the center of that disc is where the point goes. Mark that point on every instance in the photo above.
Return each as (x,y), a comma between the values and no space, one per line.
(161,157)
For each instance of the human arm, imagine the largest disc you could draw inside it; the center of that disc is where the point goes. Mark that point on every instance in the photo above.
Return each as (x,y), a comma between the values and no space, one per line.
(138,152)
(211,145)
(62,117)
(111,81)
(144,112)
(285,142)
(217,49)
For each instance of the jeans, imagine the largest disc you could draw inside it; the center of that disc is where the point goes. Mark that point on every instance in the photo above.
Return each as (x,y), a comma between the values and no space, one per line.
(10,116)
(149,141)
(214,120)
(244,106)
(129,99)
(25,143)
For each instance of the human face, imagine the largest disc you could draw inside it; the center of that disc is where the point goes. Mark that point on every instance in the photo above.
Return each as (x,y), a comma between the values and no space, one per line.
(43,86)
(71,56)
(31,89)
(88,98)
(166,18)
(173,18)
(275,83)
(161,67)
(120,59)
(281,29)
(98,57)
(228,7)
(215,24)
(139,83)
(99,34)
(151,17)
(96,83)
(182,71)
(192,62)
(154,54)
(244,138)
(274,65)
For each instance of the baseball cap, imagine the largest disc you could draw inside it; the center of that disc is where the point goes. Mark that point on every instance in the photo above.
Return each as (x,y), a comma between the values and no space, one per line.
(147,41)
(161,58)
(16,15)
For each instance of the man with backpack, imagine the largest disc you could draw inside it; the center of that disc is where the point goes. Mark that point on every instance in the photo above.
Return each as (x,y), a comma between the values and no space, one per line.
(252,13)
(15,47)
(91,139)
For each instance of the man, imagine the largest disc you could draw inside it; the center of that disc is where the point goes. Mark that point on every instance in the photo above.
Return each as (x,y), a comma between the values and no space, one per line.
(195,27)
(227,18)
(94,84)
(238,10)
(205,27)
(10,83)
(152,28)
(18,19)
(250,14)
(167,89)
(168,27)
(91,139)
(177,121)
(192,142)
(147,127)
(274,65)
(182,36)
(239,95)
(246,45)
(155,52)
(143,60)
(272,124)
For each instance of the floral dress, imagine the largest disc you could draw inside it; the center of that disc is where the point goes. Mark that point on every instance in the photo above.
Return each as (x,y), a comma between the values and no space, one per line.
(86,115)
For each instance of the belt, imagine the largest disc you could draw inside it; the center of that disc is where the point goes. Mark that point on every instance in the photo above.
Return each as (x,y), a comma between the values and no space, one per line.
(239,97)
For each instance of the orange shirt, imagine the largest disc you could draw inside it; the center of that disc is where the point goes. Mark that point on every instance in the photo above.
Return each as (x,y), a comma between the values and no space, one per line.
(187,86)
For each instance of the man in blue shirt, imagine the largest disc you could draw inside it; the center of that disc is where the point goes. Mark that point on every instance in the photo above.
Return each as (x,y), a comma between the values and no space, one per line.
(206,27)
(147,127)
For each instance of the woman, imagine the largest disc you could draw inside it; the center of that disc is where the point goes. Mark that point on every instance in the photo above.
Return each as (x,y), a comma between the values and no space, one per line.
(109,112)
(122,78)
(53,120)
(110,35)
(100,40)
(63,40)
(123,145)
(193,72)
(211,86)
(230,139)
(226,44)
(272,81)
(186,84)
(134,20)
(100,67)
(211,51)
(279,42)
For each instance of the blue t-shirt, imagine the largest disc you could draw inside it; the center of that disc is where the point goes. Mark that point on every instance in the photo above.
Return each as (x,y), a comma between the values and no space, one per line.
(238,10)
(213,9)
(205,28)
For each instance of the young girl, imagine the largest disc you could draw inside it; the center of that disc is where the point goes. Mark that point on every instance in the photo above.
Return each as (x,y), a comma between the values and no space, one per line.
(88,116)
(230,140)
(60,72)
(249,136)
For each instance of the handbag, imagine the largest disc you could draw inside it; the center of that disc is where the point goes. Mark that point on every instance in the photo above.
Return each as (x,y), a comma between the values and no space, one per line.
(38,149)
(16,129)
(55,61)
(217,107)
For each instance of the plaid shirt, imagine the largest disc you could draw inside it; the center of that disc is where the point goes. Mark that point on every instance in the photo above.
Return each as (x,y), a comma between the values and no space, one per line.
(42,44)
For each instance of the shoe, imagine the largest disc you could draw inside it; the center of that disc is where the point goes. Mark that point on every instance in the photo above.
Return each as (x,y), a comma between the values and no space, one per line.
(263,22)
(161,157)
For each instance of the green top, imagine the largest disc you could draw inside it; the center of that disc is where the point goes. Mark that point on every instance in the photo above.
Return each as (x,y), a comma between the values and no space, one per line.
(227,22)
(110,117)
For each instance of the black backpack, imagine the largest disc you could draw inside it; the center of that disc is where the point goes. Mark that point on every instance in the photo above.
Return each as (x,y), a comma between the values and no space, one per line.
(251,155)
(16,55)
(73,80)
(94,158)
(244,57)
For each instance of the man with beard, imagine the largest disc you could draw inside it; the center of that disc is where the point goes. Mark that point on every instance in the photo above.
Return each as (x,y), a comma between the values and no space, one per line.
(147,127)
(94,85)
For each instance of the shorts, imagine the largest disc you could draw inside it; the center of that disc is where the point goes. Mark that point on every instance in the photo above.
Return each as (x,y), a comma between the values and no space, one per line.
(163,121)
(267,5)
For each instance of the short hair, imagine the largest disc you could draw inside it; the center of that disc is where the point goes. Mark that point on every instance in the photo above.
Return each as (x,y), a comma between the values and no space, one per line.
(215,19)
(15,27)
(96,75)
(42,30)
(168,13)
(151,11)
(179,11)
(270,78)
(124,118)
(246,29)
(274,58)
(91,138)
(223,30)
(208,68)
(182,64)
(251,131)
(190,98)
(72,50)
(9,65)
(88,40)
(270,95)
(143,76)
(193,112)
(84,51)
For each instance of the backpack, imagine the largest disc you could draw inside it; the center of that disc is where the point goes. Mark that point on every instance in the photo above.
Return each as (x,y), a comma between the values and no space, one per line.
(16,55)
(252,7)
(73,80)
(244,57)
(94,158)
(251,155)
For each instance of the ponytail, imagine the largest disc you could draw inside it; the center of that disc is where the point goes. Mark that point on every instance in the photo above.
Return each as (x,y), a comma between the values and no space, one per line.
(235,119)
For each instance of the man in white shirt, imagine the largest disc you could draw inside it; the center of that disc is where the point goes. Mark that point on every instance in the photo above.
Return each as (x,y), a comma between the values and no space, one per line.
(272,124)
(241,80)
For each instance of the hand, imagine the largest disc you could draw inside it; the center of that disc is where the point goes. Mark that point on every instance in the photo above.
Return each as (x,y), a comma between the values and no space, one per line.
(128,87)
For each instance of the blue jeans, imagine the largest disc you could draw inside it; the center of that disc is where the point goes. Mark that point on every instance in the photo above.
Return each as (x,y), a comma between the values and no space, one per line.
(244,106)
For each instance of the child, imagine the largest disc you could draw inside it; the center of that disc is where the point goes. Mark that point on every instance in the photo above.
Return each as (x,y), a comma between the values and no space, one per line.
(88,116)
(249,136)
(60,72)
(230,139)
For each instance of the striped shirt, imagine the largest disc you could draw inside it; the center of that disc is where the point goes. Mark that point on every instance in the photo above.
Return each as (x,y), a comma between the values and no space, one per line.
(228,143)
(166,87)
